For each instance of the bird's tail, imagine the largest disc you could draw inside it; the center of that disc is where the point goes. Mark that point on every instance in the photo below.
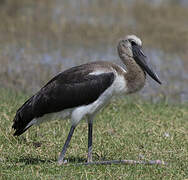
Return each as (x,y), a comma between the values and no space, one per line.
(23,117)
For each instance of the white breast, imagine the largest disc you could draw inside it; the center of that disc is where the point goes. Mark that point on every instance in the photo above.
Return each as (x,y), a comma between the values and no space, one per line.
(118,87)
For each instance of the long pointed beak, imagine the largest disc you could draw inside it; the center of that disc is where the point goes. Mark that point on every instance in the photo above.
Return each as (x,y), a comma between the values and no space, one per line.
(140,59)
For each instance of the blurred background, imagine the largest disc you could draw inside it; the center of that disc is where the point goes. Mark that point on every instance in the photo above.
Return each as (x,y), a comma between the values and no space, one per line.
(40,38)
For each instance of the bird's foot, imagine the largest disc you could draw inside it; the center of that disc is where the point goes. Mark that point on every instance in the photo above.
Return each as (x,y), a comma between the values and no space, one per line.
(60,162)
(89,160)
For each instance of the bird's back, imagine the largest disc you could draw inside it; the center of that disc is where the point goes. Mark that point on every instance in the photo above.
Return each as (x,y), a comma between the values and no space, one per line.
(71,88)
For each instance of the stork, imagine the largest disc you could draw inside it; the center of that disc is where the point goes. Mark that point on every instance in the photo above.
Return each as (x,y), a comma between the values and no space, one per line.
(83,90)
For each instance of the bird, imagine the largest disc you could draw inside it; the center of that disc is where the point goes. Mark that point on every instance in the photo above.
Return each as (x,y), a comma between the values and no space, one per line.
(83,90)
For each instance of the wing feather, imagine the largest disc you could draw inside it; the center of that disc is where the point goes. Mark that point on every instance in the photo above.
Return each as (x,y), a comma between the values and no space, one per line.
(71,88)
(59,95)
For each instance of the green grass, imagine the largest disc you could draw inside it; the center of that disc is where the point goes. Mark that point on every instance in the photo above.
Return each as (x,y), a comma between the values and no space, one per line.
(125,129)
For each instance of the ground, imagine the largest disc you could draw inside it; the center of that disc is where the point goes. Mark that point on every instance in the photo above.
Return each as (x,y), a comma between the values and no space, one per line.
(128,128)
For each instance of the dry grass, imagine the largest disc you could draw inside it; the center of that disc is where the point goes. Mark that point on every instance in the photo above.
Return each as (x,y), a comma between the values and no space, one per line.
(106,21)
(166,25)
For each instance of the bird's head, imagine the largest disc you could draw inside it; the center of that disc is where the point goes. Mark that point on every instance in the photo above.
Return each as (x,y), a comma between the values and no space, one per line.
(130,48)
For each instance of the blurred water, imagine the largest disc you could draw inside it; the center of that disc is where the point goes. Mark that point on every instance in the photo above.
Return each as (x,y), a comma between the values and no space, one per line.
(169,68)
(64,44)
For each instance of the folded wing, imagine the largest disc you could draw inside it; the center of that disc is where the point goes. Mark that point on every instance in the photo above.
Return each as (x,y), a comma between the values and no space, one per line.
(69,89)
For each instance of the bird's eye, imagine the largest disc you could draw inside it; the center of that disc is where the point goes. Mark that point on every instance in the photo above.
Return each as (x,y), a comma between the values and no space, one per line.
(133,43)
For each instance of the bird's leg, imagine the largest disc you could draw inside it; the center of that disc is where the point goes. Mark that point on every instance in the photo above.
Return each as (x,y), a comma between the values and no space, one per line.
(90,128)
(62,155)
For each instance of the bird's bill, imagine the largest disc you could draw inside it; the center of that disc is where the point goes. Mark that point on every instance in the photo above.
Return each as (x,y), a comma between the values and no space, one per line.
(140,59)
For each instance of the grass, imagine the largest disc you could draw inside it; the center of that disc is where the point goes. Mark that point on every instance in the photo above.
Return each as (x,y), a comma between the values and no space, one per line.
(125,129)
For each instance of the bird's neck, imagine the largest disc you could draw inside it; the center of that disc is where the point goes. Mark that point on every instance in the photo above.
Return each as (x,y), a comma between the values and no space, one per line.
(135,76)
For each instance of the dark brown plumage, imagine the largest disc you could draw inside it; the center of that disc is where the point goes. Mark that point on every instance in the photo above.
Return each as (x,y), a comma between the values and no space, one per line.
(83,90)
(55,95)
